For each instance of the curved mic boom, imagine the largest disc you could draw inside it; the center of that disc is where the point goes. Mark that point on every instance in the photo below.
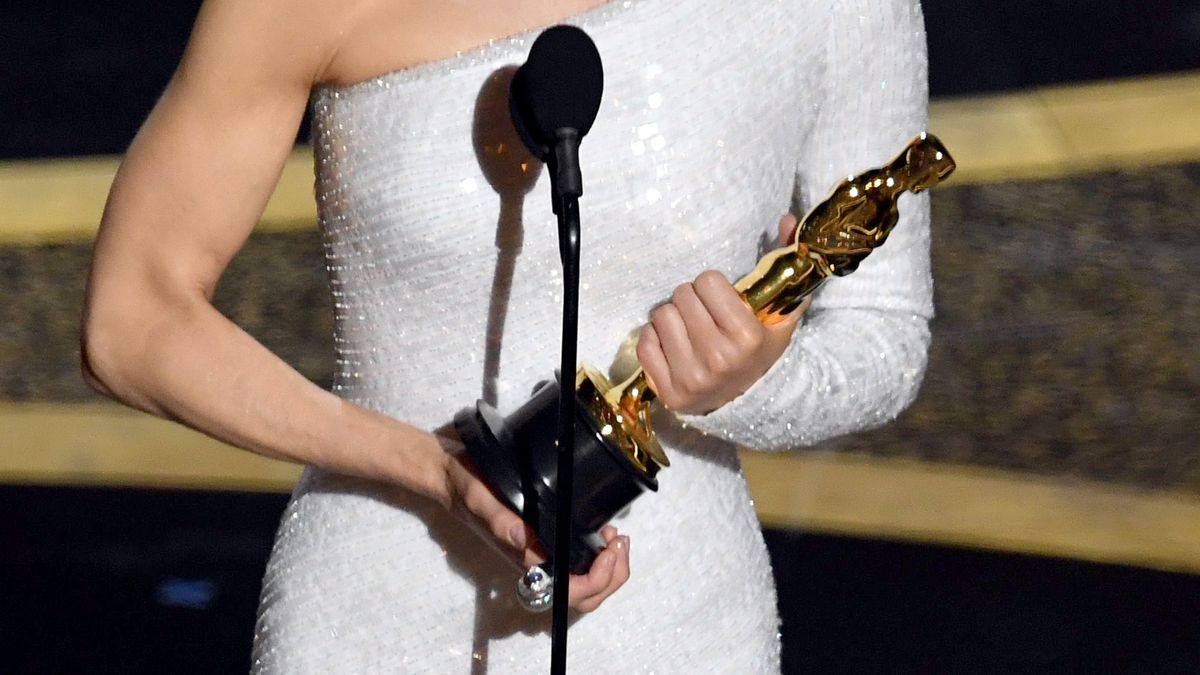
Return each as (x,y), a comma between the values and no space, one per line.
(553,100)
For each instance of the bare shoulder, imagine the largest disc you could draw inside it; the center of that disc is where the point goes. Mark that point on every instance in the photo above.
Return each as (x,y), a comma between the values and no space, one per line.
(278,40)
(200,170)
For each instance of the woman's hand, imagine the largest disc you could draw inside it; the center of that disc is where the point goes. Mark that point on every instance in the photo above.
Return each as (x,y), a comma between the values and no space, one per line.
(705,347)
(472,500)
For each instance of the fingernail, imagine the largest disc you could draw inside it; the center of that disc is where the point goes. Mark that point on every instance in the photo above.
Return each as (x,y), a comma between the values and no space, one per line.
(516,535)
(622,543)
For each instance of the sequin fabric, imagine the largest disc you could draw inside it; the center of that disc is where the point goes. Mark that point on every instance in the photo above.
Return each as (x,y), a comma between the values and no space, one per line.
(441,249)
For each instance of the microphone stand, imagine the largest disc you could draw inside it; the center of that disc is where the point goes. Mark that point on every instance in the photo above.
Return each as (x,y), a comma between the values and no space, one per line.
(567,186)
(566,183)
(569,248)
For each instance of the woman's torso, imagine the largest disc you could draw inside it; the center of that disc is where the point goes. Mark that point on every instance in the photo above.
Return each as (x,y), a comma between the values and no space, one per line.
(443,253)
(443,261)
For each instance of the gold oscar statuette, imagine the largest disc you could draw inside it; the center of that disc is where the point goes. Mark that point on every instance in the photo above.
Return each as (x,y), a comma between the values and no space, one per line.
(617,456)
(831,240)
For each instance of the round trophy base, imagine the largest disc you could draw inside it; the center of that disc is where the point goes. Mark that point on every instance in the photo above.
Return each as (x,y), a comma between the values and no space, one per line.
(518,457)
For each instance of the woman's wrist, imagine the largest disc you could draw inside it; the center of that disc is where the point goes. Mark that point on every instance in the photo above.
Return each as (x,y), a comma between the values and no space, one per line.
(419,461)
(378,447)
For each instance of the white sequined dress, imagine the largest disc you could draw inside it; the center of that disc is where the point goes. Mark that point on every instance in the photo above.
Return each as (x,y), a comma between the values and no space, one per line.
(717,117)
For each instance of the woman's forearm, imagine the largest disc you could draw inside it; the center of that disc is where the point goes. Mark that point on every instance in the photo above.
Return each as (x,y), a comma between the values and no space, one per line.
(184,361)
(193,184)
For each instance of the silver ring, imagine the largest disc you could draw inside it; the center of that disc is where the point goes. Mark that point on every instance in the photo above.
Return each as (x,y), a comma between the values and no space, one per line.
(535,589)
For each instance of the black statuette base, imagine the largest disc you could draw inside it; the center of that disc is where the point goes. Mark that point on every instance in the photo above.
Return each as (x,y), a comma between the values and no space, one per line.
(518,458)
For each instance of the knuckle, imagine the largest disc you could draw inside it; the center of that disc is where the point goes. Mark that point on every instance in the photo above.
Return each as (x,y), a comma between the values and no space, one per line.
(682,292)
(622,577)
(473,499)
(749,337)
(500,524)
(696,383)
(683,388)
(645,346)
(711,280)
(660,314)
(720,360)
(670,399)
(460,509)
(737,353)
(654,370)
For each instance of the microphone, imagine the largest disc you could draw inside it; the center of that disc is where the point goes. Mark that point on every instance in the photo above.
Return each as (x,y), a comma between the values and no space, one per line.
(553,101)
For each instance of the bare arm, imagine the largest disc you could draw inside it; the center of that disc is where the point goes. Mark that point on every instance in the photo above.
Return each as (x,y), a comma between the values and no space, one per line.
(193,184)
(191,188)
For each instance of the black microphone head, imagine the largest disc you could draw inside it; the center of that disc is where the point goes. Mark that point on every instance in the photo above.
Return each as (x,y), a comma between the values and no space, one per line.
(559,86)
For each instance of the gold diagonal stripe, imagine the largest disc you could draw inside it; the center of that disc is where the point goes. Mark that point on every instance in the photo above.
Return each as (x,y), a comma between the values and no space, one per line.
(1033,134)
(106,445)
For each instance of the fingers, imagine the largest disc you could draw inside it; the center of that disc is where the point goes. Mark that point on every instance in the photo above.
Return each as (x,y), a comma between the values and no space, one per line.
(696,342)
(486,514)
(705,347)
(507,528)
(788,226)
(654,362)
(513,537)
(673,336)
(700,325)
(730,313)
(787,229)
(787,236)
(609,572)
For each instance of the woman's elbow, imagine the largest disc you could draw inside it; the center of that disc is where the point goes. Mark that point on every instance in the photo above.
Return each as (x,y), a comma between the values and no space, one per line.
(100,359)
(113,338)
(90,373)
(908,370)
(907,390)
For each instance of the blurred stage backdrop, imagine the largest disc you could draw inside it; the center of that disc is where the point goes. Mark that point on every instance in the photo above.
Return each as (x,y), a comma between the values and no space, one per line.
(1036,510)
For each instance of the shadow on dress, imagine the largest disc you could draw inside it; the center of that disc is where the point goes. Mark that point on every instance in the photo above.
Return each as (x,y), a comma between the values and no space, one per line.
(512,172)
(497,612)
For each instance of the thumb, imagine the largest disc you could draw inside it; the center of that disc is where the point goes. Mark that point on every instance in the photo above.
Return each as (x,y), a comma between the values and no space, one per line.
(787,229)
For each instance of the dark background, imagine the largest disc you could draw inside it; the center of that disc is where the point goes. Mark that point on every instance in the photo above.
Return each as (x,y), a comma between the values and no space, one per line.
(143,581)
(123,580)
(78,78)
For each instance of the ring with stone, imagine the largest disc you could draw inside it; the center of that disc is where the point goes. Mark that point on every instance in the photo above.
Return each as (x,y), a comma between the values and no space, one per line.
(535,589)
